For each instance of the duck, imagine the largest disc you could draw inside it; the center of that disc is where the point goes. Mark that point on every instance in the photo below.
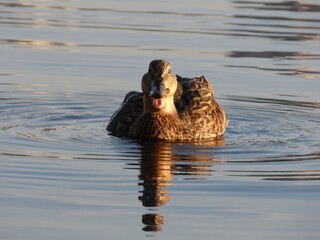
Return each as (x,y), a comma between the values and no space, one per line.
(170,108)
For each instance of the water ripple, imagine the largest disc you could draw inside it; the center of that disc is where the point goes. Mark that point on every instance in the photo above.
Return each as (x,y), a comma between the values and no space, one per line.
(253,120)
(294,6)
(59,165)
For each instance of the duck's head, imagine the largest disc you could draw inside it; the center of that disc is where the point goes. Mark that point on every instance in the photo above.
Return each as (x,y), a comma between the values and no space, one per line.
(158,86)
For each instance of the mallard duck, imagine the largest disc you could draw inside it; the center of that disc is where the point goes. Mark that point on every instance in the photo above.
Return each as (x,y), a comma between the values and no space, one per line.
(170,108)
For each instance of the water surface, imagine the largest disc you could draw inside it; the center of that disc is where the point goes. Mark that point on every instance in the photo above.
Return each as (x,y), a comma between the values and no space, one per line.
(65,67)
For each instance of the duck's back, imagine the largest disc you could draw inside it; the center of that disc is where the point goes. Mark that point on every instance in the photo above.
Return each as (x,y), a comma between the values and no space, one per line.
(129,111)
(198,108)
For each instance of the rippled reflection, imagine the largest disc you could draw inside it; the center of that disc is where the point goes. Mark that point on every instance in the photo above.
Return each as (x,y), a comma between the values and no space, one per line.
(40,6)
(155,175)
(160,162)
(38,43)
(292,56)
(296,6)
(153,222)
(268,24)
(275,54)
(284,102)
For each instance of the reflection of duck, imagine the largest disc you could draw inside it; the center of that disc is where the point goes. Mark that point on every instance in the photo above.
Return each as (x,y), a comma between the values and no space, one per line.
(155,173)
(169,108)
(153,222)
(160,161)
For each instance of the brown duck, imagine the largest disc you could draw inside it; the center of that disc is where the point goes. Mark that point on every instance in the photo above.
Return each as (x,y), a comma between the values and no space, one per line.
(170,108)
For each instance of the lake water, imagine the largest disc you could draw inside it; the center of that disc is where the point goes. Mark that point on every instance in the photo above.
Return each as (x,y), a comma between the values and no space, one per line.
(64,69)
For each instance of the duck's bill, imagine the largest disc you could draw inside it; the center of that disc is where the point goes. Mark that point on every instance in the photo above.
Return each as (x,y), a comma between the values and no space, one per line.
(158,103)
(157,89)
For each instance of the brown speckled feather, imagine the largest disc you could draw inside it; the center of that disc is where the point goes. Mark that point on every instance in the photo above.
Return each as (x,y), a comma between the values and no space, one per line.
(129,111)
(199,108)
(158,126)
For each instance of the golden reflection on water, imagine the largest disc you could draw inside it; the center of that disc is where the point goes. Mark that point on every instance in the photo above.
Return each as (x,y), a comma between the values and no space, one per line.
(39,6)
(159,164)
(155,173)
(37,43)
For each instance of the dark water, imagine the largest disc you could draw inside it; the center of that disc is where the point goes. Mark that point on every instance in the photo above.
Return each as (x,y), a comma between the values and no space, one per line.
(64,69)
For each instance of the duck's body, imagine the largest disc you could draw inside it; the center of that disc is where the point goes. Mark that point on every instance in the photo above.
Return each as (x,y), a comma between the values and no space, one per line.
(170,108)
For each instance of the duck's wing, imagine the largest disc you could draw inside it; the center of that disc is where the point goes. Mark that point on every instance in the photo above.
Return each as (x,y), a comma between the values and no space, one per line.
(129,111)
(197,106)
(193,94)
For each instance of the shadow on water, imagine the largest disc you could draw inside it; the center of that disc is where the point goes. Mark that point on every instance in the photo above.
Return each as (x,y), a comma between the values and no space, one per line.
(159,163)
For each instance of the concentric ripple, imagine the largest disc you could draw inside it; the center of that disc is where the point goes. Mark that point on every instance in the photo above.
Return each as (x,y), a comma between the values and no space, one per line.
(39,124)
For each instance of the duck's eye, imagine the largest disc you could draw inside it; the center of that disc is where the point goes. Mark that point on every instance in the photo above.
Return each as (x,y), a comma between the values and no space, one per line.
(169,71)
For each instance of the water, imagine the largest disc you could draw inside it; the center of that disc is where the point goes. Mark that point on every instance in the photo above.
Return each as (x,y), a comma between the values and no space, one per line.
(65,67)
